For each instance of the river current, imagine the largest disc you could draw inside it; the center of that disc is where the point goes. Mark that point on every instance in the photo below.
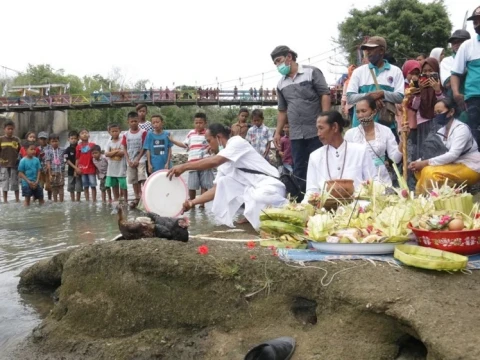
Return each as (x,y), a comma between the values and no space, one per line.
(28,235)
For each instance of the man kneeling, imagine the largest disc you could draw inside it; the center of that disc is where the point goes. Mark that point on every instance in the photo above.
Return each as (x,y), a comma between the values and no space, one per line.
(244,177)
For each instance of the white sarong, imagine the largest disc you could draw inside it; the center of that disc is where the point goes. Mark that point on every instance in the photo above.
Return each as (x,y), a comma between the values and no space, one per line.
(232,191)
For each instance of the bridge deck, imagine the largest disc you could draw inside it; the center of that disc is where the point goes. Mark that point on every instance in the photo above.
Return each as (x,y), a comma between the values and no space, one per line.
(132,98)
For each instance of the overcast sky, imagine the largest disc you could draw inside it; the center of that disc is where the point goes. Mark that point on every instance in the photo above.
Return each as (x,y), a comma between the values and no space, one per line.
(183,41)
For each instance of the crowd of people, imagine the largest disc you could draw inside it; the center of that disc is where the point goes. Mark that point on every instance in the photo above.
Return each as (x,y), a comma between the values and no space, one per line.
(424,100)
(37,165)
(434,100)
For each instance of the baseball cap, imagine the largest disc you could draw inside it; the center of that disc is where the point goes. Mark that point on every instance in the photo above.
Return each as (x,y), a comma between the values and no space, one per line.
(460,35)
(42,134)
(373,42)
(475,14)
(282,50)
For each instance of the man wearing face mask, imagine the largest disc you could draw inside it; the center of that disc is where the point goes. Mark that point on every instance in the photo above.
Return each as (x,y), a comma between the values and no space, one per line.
(467,62)
(379,79)
(303,94)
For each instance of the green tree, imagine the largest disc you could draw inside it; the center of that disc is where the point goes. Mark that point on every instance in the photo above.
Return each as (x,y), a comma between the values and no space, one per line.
(44,74)
(410,27)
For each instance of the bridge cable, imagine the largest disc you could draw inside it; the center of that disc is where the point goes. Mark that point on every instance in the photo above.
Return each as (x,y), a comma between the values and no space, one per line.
(273,70)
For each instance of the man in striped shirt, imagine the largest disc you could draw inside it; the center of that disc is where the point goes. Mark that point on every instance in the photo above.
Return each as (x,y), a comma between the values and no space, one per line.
(196,146)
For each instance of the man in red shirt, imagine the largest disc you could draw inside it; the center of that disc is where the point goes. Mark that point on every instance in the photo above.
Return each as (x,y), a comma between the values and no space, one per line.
(85,166)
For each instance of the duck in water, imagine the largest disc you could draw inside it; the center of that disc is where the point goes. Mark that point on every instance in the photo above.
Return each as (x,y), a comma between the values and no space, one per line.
(152,225)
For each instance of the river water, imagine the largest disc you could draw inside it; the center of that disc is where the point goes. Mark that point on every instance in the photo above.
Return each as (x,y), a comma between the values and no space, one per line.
(28,235)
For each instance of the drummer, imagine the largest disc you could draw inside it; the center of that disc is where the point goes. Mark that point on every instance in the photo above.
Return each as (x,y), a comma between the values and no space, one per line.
(337,159)
(244,177)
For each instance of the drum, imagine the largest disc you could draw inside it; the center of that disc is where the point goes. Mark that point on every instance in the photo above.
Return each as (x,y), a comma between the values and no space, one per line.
(163,196)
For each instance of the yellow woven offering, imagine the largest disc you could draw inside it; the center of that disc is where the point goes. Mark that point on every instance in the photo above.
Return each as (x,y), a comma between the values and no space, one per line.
(431,259)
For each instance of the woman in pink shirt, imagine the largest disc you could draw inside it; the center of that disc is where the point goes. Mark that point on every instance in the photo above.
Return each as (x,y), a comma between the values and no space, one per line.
(424,100)
(411,71)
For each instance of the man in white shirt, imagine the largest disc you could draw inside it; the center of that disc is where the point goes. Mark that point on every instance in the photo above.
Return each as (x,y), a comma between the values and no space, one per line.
(365,78)
(244,177)
(467,63)
(337,159)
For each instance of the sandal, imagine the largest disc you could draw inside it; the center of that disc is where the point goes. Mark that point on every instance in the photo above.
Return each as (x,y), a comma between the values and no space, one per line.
(277,349)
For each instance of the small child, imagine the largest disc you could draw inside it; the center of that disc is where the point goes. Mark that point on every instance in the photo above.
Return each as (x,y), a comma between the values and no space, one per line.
(85,166)
(241,127)
(9,154)
(143,123)
(41,149)
(117,165)
(133,141)
(101,163)
(286,149)
(56,167)
(158,146)
(74,180)
(29,171)
(259,135)
(30,138)
(197,149)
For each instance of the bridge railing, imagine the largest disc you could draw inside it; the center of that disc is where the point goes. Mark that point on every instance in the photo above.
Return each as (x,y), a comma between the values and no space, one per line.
(122,98)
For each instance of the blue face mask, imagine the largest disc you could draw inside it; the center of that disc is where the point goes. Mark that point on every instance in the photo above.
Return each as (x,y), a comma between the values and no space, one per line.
(374,59)
(283,69)
(220,146)
(442,119)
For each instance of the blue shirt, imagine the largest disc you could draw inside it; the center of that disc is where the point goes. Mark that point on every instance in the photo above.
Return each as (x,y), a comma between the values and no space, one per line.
(30,167)
(158,145)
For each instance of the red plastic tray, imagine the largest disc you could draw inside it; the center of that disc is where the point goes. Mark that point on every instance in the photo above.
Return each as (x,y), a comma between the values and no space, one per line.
(465,242)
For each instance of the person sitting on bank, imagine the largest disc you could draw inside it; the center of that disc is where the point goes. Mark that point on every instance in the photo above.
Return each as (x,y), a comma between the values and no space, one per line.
(244,177)
(338,158)
(460,163)
(377,138)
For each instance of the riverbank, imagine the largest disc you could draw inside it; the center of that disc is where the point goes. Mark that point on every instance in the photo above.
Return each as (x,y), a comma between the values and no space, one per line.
(152,299)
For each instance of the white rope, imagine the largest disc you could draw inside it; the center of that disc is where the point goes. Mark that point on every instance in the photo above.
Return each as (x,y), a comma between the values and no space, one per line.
(208,238)
(303,266)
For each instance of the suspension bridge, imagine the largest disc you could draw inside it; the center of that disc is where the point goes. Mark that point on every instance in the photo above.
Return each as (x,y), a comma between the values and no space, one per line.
(100,100)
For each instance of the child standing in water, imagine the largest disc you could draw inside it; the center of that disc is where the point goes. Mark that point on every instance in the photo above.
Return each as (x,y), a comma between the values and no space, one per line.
(9,150)
(101,165)
(158,146)
(85,166)
(42,148)
(74,180)
(197,145)
(133,141)
(30,138)
(56,167)
(117,165)
(240,127)
(143,123)
(29,171)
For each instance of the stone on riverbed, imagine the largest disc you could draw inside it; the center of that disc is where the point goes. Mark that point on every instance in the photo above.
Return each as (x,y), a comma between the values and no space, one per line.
(179,159)
(151,299)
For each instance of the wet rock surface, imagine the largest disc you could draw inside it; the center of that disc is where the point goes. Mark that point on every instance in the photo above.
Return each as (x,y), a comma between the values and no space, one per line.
(179,159)
(157,299)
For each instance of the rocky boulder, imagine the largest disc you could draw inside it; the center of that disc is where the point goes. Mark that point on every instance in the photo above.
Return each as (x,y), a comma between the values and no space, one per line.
(156,299)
